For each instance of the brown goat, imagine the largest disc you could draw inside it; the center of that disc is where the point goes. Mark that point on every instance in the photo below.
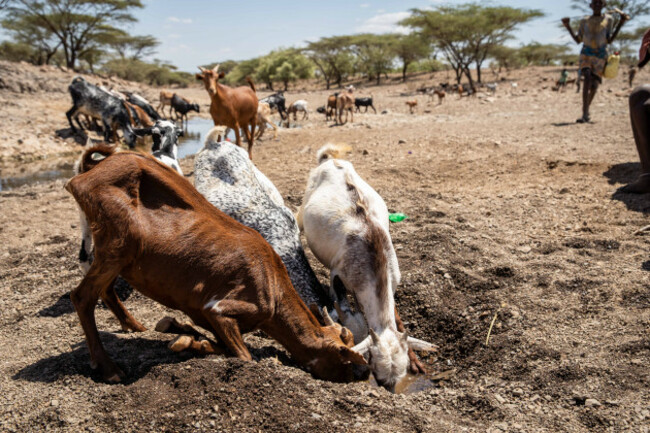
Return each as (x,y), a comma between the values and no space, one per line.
(412,105)
(142,119)
(152,227)
(235,108)
(264,118)
(345,102)
(330,108)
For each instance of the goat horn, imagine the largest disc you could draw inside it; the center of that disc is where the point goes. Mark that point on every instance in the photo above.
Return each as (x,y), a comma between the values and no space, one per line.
(364,346)
(374,336)
(202,69)
(417,344)
(326,318)
(340,312)
(216,68)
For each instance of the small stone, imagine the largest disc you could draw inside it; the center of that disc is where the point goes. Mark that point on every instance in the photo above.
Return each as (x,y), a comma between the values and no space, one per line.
(500,399)
(518,392)
(365,152)
(525,249)
(316,416)
(447,276)
(54,403)
(592,402)
(400,141)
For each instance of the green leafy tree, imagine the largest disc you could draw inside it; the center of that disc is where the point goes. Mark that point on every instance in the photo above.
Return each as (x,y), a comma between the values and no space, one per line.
(628,42)
(133,47)
(78,25)
(25,30)
(374,54)
(634,8)
(505,57)
(466,33)
(411,48)
(332,58)
(538,54)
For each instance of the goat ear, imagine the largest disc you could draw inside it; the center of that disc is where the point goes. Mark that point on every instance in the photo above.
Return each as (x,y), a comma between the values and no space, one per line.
(141,132)
(350,355)
(221,74)
(198,76)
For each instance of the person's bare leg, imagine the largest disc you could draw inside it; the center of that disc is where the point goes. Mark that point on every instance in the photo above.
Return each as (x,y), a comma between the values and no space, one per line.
(640,119)
(586,95)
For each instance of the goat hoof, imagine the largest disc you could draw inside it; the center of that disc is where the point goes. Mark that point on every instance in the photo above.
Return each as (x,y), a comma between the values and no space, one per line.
(164,324)
(180,343)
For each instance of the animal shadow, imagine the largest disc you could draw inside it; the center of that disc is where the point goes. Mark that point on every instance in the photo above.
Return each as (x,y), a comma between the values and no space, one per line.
(626,173)
(135,356)
(63,305)
(79,137)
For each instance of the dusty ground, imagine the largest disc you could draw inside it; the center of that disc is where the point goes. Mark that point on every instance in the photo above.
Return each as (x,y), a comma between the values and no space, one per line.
(512,210)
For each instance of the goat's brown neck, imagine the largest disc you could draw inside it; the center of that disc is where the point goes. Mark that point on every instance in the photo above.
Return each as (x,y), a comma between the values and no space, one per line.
(295,327)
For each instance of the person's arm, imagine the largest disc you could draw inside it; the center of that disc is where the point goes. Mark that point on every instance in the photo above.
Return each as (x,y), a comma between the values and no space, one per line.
(566,22)
(624,18)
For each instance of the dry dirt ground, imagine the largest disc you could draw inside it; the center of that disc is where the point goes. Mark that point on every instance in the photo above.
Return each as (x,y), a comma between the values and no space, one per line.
(513,210)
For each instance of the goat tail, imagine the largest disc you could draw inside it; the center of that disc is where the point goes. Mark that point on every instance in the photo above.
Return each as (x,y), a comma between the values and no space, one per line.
(250,83)
(93,156)
(333,151)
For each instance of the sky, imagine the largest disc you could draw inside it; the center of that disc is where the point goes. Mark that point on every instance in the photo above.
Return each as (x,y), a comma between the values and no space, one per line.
(198,32)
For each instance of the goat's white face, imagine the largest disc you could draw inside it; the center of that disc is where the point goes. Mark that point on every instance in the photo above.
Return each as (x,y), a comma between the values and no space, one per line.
(389,359)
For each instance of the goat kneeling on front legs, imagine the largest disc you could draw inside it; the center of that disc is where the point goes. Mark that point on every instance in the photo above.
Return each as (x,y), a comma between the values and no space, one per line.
(152,227)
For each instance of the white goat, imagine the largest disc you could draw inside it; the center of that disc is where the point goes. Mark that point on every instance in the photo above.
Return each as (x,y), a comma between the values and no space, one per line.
(299,105)
(345,222)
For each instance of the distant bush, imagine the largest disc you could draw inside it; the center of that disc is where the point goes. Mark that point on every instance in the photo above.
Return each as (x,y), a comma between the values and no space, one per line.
(156,74)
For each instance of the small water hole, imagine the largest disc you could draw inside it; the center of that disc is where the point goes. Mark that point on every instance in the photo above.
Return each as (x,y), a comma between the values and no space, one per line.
(46,170)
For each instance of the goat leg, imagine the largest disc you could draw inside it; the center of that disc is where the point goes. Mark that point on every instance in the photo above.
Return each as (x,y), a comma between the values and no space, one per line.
(84,298)
(127,321)
(416,365)
(223,317)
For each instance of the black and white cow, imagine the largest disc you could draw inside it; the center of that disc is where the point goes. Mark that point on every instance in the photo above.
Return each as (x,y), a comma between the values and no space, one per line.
(225,175)
(364,102)
(97,103)
(165,149)
(277,102)
(182,107)
(141,102)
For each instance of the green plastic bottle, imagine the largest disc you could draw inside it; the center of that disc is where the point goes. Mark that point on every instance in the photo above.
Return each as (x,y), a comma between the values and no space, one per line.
(396,217)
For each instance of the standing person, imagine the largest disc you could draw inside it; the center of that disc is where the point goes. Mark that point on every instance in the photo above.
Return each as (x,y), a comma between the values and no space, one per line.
(561,83)
(595,32)
(640,118)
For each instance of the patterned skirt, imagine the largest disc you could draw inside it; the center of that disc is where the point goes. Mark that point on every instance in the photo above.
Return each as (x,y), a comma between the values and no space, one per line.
(594,59)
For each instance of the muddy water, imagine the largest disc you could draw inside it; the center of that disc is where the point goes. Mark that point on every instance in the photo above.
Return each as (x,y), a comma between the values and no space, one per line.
(411,384)
(20,174)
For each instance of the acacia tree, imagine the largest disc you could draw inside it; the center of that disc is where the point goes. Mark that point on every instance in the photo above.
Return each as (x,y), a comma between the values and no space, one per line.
(466,33)
(374,54)
(411,48)
(535,53)
(332,57)
(78,25)
(41,41)
(634,8)
(496,25)
(453,29)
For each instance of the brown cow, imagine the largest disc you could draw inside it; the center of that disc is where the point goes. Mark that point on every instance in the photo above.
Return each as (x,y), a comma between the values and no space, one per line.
(235,108)
(152,227)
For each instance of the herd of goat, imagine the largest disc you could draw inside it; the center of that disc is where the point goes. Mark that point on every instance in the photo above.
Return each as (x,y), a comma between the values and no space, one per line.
(226,251)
